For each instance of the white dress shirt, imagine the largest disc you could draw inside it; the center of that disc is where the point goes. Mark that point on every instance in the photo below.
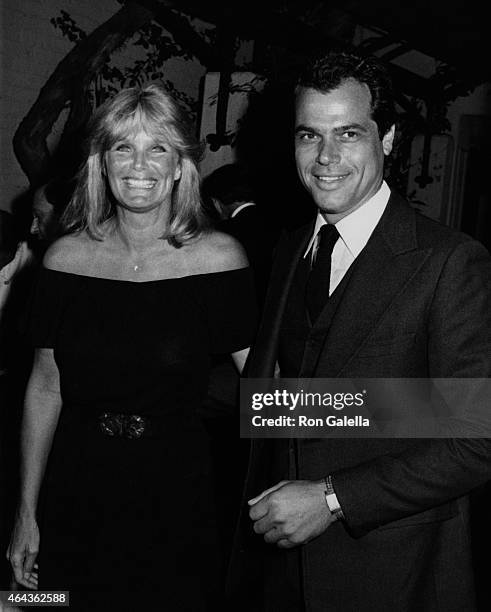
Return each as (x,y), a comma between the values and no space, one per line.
(354,230)
(241,207)
(23,257)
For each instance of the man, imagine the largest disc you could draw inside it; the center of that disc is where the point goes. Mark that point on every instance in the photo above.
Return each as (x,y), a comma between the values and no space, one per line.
(48,204)
(22,259)
(366,524)
(229,191)
(232,187)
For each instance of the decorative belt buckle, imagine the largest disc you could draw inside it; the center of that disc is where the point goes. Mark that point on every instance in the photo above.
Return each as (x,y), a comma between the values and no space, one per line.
(130,426)
(134,426)
(111,424)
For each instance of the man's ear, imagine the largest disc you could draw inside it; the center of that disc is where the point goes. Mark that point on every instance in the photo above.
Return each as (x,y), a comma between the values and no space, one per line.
(388,140)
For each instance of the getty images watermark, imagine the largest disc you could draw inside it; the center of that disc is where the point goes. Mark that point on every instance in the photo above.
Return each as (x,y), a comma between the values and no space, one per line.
(281,398)
(371,408)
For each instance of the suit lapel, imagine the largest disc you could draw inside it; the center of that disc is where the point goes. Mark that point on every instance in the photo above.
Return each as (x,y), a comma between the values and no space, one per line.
(264,352)
(387,263)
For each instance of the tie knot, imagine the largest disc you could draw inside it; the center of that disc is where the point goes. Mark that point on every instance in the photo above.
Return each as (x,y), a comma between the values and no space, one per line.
(328,233)
(327,237)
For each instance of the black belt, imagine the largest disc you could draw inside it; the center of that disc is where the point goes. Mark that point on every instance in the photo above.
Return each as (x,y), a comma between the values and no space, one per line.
(130,426)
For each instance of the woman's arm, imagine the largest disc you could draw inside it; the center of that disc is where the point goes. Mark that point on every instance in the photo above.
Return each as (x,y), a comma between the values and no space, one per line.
(41,411)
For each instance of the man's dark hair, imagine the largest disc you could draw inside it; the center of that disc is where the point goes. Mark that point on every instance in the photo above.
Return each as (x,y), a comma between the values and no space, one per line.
(326,72)
(58,192)
(230,183)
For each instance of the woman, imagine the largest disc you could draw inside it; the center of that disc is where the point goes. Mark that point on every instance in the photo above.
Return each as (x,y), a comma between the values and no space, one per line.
(132,303)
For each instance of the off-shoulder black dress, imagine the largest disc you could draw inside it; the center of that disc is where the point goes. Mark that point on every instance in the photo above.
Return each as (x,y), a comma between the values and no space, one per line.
(127,520)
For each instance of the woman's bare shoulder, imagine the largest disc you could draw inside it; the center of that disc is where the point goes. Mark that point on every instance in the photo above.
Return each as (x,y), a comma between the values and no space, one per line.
(70,253)
(220,252)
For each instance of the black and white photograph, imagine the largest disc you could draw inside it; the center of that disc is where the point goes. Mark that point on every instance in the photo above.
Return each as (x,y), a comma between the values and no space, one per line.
(245,306)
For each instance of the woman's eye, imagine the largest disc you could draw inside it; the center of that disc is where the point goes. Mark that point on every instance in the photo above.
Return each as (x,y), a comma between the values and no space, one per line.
(159,149)
(123,148)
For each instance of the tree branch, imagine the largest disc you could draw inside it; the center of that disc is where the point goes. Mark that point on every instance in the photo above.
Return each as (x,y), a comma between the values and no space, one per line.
(69,82)
(183,34)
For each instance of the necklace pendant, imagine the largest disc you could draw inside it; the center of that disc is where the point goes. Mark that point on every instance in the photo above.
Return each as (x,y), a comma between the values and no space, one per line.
(136,268)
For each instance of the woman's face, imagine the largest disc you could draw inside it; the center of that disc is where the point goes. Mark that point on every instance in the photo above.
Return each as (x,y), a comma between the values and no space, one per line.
(141,171)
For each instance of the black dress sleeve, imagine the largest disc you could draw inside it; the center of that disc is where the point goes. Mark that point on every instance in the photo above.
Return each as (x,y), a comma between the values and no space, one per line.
(231,310)
(46,308)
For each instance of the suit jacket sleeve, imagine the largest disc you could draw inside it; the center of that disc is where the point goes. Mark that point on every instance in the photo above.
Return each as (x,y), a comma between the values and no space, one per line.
(434,471)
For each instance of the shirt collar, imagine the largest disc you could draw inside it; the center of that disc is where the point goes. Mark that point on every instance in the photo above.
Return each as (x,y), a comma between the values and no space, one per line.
(356,228)
(241,207)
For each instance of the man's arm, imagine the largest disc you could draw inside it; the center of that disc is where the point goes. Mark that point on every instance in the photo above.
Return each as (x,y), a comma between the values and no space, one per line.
(435,471)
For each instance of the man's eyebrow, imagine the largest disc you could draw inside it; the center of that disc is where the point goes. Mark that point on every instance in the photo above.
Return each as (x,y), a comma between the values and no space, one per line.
(352,126)
(338,130)
(304,128)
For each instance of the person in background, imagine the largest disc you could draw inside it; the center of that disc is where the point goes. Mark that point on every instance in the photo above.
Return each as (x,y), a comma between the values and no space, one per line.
(14,255)
(8,240)
(24,240)
(131,304)
(16,264)
(231,191)
(22,252)
(232,188)
(228,192)
(8,264)
(368,289)
(49,203)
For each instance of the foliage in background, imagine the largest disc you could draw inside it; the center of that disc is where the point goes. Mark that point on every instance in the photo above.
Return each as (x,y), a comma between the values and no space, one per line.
(157,46)
(273,60)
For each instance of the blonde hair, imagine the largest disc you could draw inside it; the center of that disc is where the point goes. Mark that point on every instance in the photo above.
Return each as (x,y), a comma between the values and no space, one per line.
(154,110)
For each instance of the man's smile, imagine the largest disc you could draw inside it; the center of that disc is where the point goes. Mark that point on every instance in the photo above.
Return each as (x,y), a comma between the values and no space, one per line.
(331,178)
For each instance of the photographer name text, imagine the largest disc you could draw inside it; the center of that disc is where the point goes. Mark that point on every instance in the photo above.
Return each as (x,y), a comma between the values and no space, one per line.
(304,421)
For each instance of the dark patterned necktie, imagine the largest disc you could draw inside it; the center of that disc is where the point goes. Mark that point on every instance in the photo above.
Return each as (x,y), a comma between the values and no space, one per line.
(317,291)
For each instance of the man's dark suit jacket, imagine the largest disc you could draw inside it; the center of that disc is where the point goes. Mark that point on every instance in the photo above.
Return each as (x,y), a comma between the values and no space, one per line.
(417,304)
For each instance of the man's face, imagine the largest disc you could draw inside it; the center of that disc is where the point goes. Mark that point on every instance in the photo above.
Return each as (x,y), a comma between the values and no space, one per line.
(338,151)
(42,216)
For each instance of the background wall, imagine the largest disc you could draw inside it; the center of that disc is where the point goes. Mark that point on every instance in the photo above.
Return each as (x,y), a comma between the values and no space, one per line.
(444,197)
(30,49)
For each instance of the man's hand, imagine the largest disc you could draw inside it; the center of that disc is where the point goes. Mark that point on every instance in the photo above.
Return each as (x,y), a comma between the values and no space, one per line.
(291,513)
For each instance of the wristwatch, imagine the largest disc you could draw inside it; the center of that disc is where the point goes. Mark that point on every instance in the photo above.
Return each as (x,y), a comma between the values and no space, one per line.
(332,500)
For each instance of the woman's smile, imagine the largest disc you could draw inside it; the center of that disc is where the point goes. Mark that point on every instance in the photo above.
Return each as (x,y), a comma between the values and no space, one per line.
(138,183)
